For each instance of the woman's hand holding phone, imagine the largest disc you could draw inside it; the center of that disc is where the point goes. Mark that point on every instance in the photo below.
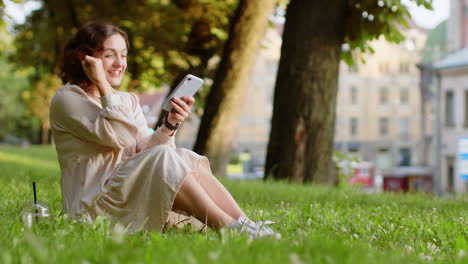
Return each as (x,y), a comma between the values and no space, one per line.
(180,111)
(179,101)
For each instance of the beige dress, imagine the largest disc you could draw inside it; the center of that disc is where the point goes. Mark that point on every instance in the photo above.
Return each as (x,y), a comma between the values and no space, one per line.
(111,163)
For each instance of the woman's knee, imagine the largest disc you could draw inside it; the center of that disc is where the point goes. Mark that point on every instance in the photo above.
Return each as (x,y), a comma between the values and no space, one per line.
(163,156)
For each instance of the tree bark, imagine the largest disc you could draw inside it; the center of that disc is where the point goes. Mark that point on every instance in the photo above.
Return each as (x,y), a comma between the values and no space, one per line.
(73,15)
(302,129)
(223,106)
(44,132)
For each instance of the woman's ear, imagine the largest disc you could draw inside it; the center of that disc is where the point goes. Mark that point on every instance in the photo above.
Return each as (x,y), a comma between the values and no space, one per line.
(81,55)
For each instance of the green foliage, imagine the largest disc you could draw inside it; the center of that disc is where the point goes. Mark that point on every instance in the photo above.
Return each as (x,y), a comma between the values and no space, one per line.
(166,37)
(319,225)
(346,163)
(15,121)
(39,96)
(14,117)
(368,20)
(3,15)
(2,19)
(234,158)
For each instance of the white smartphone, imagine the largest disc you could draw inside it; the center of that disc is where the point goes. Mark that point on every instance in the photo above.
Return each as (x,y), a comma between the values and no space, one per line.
(187,87)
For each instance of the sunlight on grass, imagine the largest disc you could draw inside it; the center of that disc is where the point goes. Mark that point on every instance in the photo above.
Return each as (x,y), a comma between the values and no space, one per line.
(235,168)
(26,161)
(318,224)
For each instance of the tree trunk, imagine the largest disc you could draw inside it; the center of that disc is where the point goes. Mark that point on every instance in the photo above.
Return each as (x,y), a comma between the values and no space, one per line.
(223,106)
(302,129)
(44,132)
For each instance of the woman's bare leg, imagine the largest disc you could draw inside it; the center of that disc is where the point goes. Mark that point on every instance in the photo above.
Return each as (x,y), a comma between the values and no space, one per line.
(219,194)
(193,199)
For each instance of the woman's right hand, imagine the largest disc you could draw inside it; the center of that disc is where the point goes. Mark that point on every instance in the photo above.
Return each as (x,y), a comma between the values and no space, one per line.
(95,71)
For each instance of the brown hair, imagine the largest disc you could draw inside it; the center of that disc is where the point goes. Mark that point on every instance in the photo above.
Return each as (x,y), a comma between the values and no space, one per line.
(88,39)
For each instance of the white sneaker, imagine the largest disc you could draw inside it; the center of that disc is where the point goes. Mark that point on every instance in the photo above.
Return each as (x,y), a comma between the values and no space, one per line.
(245,225)
(254,229)
(263,226)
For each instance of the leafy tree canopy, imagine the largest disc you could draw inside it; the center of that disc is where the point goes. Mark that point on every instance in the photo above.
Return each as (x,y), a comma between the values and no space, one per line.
(368,20)
(166,37)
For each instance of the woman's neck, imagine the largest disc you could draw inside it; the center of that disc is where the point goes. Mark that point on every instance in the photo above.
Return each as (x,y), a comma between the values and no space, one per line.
(94,91)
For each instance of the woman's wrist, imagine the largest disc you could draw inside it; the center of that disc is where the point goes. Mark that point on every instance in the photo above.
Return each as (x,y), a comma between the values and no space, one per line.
(167,131)
(171,124)
(104,88)
(169,127)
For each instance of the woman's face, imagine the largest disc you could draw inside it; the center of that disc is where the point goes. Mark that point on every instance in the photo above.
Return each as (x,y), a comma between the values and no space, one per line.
(114,59)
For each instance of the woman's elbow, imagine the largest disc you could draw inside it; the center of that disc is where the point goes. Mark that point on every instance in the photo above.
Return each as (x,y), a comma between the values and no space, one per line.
(125,142)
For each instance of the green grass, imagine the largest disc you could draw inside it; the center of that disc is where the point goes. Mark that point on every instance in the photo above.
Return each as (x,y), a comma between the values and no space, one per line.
(319,225)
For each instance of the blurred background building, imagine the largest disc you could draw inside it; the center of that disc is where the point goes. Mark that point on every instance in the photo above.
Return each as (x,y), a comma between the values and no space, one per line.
(379,104)
(450,85)
(393,115)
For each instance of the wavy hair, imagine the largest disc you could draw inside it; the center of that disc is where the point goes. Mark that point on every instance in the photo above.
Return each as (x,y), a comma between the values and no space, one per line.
(88,39)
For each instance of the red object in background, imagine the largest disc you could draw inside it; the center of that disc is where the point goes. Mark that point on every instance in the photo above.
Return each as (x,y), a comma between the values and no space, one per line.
(363,175)
(409,179)
(395,184)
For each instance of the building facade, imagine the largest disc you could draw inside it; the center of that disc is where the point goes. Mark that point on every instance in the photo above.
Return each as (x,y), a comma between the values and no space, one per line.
(450,84)
(379,104)
(458,25)
(453,116)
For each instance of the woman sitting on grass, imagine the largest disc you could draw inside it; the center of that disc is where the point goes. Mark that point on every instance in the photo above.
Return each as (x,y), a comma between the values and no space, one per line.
(110,162)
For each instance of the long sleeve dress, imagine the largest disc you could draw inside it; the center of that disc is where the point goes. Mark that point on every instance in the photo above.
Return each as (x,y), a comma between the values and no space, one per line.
(111,164)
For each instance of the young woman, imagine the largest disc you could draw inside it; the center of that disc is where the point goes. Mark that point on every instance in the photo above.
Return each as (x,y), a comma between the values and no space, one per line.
(110,162)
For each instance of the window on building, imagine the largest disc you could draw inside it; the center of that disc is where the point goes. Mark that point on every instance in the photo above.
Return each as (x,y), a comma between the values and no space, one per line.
(449,109)
(404,67)
(383,159)
(404,96)
(354,126)
(383,126)
(466,108)
(383,95)
(404,126)
(354,95)
(450,173)
(353,147)
(384,67)
(405,157)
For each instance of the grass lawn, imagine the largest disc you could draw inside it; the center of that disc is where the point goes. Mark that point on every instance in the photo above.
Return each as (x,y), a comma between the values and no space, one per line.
(319,225)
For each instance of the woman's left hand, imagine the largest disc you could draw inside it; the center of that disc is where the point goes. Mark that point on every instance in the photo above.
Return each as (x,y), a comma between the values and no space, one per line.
(180,109)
